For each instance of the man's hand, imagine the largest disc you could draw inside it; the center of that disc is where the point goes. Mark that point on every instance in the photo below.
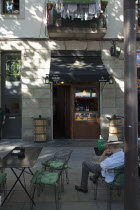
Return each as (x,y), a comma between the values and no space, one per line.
(107,151)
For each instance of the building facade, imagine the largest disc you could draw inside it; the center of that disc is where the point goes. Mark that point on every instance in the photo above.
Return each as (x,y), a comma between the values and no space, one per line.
(75,108)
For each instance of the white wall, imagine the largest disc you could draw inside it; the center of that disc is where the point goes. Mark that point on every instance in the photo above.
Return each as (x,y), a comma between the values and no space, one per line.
(114,19)
(31,22)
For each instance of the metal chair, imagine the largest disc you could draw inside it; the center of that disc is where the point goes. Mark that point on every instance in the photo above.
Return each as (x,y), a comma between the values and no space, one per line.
(117,184)
(56,163)
(41,179)
(3,186)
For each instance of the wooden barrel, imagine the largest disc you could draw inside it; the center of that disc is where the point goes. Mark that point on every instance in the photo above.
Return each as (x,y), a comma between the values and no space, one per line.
(116,128)
(40,129)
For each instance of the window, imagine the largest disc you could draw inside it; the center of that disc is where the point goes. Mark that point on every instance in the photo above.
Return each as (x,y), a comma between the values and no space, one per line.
(12,67)
(86,104)
(11,6)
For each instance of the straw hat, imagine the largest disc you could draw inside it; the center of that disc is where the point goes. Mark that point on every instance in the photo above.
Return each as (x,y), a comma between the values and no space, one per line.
(113,140)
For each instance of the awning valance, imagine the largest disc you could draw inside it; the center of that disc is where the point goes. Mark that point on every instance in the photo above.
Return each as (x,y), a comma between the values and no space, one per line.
(78,69)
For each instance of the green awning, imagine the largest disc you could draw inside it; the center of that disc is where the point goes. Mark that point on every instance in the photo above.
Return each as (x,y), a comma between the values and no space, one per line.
(79,1)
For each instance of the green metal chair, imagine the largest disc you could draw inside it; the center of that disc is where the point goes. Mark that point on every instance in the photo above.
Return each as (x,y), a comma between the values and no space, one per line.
(59,162)
(117,184)
(42,179)
(2,186)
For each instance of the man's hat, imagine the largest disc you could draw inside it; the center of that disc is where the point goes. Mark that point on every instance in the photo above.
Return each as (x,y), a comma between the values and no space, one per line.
(113,140)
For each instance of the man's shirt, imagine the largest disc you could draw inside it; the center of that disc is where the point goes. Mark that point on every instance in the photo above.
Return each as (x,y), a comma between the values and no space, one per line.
(115,160)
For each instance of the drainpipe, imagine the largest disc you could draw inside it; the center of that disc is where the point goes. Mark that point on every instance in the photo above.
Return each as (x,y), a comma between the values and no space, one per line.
(130,107)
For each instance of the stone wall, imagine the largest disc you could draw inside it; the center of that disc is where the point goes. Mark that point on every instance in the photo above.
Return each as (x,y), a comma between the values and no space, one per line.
(37,96)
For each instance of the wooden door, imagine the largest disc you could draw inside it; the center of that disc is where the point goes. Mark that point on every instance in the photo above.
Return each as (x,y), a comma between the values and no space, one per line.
(85,111)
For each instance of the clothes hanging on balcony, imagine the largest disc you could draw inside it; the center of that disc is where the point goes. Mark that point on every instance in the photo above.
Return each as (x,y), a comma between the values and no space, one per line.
(83,12)
(72,7)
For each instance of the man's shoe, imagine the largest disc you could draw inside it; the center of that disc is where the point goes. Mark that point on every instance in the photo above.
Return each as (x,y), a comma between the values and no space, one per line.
(93,179)
(81,189)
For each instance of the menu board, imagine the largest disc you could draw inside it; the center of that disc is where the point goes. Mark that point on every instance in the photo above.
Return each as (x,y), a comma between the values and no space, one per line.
(86,116)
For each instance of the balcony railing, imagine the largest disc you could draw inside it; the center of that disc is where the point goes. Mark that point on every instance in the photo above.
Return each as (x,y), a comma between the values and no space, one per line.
(81,29)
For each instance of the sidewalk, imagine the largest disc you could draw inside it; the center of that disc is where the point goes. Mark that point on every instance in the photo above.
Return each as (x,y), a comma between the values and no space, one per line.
(71,199)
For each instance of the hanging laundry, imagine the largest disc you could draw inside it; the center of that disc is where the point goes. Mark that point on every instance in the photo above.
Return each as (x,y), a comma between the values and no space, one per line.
(92,8)
(80,11)
(50,14)
(65,13)
(59,6)
(83,6)
(98,7)
(72,7)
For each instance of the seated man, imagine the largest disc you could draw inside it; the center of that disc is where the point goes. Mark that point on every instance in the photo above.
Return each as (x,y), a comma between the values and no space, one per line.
(104,165)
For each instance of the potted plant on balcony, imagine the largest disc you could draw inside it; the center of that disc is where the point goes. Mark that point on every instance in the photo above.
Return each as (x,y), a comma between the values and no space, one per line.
(104,3)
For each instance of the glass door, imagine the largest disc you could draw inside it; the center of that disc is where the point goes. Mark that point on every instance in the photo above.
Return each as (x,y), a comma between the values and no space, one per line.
(11,94)
(86,112)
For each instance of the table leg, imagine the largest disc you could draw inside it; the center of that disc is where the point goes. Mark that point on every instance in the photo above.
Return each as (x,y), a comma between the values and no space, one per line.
(18,179)
(12,187)
(30,171)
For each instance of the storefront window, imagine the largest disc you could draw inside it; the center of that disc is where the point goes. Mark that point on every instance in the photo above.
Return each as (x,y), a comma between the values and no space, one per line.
(13,67)
(86,104)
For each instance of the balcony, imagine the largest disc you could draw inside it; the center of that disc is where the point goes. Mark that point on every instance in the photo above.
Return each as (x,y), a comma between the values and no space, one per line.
(61,28)
(138,19)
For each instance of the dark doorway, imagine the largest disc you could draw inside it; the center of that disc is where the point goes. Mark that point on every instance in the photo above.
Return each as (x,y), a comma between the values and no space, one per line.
(61,112)
(11,94)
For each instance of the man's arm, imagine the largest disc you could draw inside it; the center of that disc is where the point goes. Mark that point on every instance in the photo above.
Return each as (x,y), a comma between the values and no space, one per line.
(103,156)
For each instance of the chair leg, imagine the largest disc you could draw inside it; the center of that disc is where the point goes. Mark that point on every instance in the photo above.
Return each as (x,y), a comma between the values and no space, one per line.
(24,180)
(119,191)
(33,189)
(67,178)
(57,196)
(95,190)
(3,191)
(109,196)
(62,182)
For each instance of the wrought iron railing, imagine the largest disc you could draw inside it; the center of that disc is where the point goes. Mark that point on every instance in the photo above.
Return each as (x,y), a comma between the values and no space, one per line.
(55,19)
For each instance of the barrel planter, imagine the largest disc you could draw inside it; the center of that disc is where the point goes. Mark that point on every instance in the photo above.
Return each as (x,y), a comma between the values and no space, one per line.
(40,129)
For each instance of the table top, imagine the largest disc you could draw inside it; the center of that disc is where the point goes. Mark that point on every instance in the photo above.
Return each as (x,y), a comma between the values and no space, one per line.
(13,161)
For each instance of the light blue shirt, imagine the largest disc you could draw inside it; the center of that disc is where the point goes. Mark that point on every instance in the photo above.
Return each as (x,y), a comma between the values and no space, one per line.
(115,160)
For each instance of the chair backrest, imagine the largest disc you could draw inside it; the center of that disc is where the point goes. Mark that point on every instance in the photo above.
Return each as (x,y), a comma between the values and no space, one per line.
(1,169)
(63,154)
(119,176)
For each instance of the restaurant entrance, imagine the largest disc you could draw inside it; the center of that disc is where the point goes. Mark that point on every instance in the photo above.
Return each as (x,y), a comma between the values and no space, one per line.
(76,111)
(61,111)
